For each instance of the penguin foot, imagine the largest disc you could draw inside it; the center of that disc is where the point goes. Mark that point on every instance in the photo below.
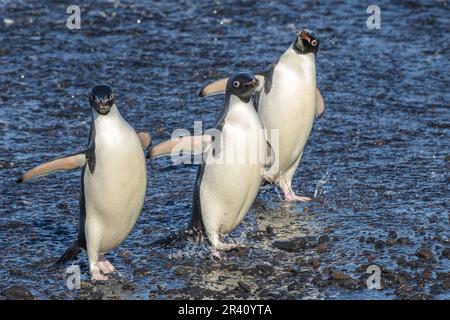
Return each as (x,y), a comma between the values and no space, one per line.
(105,266)
(294,197)
(216,254)
(289,195)
(96,275)
(215,251)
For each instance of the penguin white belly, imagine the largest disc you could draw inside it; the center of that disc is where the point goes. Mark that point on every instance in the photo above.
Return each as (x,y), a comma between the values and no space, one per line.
(289,107)
(115,191)
(228,190)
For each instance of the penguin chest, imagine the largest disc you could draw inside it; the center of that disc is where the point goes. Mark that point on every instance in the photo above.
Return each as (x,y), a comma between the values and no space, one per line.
(231,180)
(115,190)
(289,107)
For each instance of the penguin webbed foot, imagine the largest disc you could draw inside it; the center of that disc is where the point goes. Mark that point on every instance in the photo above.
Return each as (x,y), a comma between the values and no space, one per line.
(221,246)
(96,275)
(105,266)
(294,197)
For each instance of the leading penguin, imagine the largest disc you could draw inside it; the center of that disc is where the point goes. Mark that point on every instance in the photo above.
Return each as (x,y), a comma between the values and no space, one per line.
(113,182)
(287,100)
(230,175)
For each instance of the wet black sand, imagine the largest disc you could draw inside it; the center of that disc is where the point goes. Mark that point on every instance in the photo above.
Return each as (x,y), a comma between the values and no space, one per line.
(379,160)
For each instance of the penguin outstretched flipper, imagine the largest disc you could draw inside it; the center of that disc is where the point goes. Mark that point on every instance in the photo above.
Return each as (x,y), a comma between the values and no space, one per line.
(191,144)
(220,86)
(61,164)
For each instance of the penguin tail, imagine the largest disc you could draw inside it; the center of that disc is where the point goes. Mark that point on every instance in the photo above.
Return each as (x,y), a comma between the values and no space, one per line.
(70,254)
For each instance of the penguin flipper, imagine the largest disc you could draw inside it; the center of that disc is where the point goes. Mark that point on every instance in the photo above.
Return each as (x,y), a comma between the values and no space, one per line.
(61,164)
(216,87)
(145,138)
(220,86)
(320,104)
(191,144)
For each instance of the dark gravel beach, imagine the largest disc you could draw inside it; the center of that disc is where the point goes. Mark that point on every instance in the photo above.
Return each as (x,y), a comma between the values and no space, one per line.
(377,163)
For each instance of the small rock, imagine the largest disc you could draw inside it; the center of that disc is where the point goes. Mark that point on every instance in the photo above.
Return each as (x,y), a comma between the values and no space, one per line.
(17,293)
(379,244)
(265,268)
(403,290)
(128,287)
(370,240)
(322,248)
(404,241)
(294,285)
(270,232)
(323,239)
(301,262)
(392,234)
(315,263)
(181,271)
(425,253)
(339,276)
(446,253)
(244,286)
(141,272)
(390,242)
(293,245)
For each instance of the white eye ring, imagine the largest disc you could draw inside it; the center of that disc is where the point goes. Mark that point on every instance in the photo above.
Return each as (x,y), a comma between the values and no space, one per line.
(314,43)
(236,84)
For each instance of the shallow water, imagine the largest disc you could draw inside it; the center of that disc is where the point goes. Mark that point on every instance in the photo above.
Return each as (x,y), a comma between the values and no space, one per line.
(378,160)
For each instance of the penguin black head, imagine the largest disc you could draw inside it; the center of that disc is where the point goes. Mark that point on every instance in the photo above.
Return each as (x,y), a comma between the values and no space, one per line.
(242,85)
(101,98)
(306,42)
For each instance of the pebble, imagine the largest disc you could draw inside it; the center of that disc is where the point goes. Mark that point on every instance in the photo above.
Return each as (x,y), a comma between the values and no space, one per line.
(315,263)
(294,285)
(379,244)
(141,271)
(17,293)
(404,241)
(244,286)
(392,234)
(390,242)
(293,245)
(322,248)
(265,268)
(339,276)
(323,239)
(128,287)
(425,253)
(446,253)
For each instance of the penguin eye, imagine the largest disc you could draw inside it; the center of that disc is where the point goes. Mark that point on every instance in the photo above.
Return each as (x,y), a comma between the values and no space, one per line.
(236,84)
(314,43)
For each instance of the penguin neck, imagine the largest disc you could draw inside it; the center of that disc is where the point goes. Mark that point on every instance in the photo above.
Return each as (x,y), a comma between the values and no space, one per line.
(239,112)
(113,115)
(111,121)
(292,59)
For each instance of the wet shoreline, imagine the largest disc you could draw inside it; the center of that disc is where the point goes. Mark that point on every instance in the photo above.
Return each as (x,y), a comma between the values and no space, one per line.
(378,161)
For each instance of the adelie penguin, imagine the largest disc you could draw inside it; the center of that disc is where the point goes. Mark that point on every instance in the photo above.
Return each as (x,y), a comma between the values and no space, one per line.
(287,100)
(113,182)
(233,161)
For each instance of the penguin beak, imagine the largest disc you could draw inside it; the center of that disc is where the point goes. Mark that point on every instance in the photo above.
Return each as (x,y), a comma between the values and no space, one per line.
(305,36)
(254,83)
